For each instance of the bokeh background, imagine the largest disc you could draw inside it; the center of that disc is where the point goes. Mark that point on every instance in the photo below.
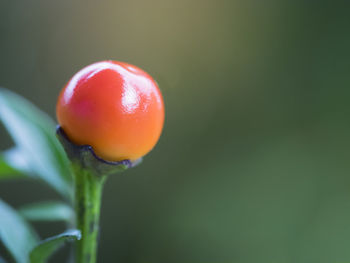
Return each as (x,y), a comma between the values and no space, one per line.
(253,164)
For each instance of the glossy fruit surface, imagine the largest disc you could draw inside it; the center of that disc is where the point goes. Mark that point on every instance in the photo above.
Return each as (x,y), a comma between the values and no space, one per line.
(115,107)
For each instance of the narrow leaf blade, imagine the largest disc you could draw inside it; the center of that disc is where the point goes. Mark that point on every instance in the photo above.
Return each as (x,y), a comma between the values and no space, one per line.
(34,133)
(17,159)
(13,164)
(48,246)
(47,211)
(7,171)
(16,234)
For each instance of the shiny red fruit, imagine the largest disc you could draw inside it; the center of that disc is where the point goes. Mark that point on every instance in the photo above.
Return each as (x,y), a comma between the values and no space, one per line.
(115,107)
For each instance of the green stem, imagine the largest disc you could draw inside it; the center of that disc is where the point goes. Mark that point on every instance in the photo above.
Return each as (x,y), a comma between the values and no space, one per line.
(88,191)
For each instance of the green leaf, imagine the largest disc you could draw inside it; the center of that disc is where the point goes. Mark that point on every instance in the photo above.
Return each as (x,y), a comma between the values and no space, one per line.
(47,211)
(7,171)
(34,133)
(16,234)
(13,164)
(45,248)
(15,157)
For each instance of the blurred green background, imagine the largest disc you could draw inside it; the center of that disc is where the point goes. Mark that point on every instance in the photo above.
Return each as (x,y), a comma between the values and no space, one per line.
(253,164)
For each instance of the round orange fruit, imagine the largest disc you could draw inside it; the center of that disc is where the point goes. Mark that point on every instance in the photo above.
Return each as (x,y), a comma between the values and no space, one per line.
(115,107)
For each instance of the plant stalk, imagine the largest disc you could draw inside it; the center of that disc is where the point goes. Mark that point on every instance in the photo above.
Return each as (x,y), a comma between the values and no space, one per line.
(88,192)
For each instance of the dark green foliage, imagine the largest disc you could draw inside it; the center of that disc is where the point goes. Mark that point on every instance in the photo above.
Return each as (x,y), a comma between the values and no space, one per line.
(16,234)
(32,132)
(48,211)
(37,155)
(48,246)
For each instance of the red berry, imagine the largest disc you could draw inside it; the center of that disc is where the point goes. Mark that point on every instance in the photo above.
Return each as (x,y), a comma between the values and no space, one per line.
(115,107)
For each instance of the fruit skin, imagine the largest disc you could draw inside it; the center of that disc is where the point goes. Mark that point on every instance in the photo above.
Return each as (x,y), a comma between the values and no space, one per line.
(113,106)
